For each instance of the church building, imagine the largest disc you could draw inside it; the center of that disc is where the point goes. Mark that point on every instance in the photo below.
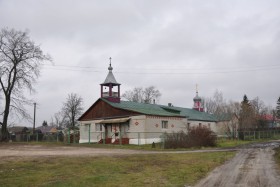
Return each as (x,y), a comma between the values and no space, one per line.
(111,120)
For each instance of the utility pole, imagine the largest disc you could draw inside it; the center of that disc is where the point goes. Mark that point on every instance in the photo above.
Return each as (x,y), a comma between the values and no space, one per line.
(34,118)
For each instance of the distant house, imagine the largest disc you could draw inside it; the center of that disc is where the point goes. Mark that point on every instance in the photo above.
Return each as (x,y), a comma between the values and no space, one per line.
(110,118)
(227,125)
(47,129)
(18,130)
(269,120)
(18,133)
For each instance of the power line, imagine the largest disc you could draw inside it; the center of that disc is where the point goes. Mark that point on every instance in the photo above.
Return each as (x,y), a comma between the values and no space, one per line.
(172,71)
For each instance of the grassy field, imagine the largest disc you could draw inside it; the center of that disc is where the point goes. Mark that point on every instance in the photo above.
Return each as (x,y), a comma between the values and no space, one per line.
(136,170)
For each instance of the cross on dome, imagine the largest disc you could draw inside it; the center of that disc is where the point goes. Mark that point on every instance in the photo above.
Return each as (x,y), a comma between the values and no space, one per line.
(110,68)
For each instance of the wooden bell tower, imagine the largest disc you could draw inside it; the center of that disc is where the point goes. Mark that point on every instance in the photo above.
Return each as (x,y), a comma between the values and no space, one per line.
(110,88)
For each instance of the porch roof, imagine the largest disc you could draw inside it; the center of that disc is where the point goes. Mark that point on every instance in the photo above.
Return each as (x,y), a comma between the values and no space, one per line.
(118,120)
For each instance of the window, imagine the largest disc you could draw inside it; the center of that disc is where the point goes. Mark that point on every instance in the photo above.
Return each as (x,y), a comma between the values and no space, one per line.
(98,127)
(164,124)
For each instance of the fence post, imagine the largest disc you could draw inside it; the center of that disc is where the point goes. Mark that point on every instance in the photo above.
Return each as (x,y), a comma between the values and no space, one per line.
(163,141)
(138,138)
(69,136)
(237,136)
(120,138)
(89,133)
(104,141)
(266,134)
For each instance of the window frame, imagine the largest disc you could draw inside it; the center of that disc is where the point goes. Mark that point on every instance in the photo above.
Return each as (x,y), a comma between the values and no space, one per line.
(164,124)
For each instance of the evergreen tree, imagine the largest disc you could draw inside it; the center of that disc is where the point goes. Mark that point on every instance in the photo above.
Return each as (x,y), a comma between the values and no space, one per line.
(45,123)
(245,102)
(246,118)
(278,109)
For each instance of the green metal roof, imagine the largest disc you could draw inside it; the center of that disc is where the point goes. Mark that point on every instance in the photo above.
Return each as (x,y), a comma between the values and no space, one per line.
(162,110)
(149,109)
(192,114)
(224,117)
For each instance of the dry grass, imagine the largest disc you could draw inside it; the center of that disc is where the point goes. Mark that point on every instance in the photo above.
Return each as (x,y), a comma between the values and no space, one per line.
(136,170)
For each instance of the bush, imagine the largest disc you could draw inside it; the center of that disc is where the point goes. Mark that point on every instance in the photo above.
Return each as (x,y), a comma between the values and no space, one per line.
(176,140)
(196,137)
(201,137)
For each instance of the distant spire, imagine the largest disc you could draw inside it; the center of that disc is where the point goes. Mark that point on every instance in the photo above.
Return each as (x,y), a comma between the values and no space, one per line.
(197,101)
(110,68)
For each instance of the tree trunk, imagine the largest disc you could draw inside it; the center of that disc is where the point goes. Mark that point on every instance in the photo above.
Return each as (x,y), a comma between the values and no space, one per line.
(4,130)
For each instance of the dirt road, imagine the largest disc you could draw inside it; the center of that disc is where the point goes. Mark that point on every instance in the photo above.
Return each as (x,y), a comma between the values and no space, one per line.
(252,166)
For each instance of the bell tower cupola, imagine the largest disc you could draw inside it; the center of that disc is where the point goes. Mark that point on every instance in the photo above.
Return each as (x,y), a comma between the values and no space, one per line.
(110,88)
(197,102)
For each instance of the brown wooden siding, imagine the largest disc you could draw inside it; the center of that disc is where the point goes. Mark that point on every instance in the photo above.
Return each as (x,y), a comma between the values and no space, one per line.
(101,109)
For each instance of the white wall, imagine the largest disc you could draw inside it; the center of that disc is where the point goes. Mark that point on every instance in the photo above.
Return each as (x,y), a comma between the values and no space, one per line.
(211,125)
(143,129)
(148,129)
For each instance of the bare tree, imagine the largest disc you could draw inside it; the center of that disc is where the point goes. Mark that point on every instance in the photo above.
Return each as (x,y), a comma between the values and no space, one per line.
(72,109)
(59,119)
(258,106)
(150,94)
(135,95)
(141,95)
(20,61)
(216,104)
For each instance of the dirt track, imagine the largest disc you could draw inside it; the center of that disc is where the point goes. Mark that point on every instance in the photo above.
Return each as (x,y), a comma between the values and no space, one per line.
(252,166)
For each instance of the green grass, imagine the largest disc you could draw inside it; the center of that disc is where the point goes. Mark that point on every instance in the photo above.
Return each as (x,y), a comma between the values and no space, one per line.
(223,143)
(136,170)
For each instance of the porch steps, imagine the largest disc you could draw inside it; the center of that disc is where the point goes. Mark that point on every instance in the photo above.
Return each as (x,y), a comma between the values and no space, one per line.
(123,141)
(117,141)
(107,141)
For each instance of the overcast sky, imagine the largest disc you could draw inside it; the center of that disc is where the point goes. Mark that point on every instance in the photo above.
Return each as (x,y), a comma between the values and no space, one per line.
(232,46)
